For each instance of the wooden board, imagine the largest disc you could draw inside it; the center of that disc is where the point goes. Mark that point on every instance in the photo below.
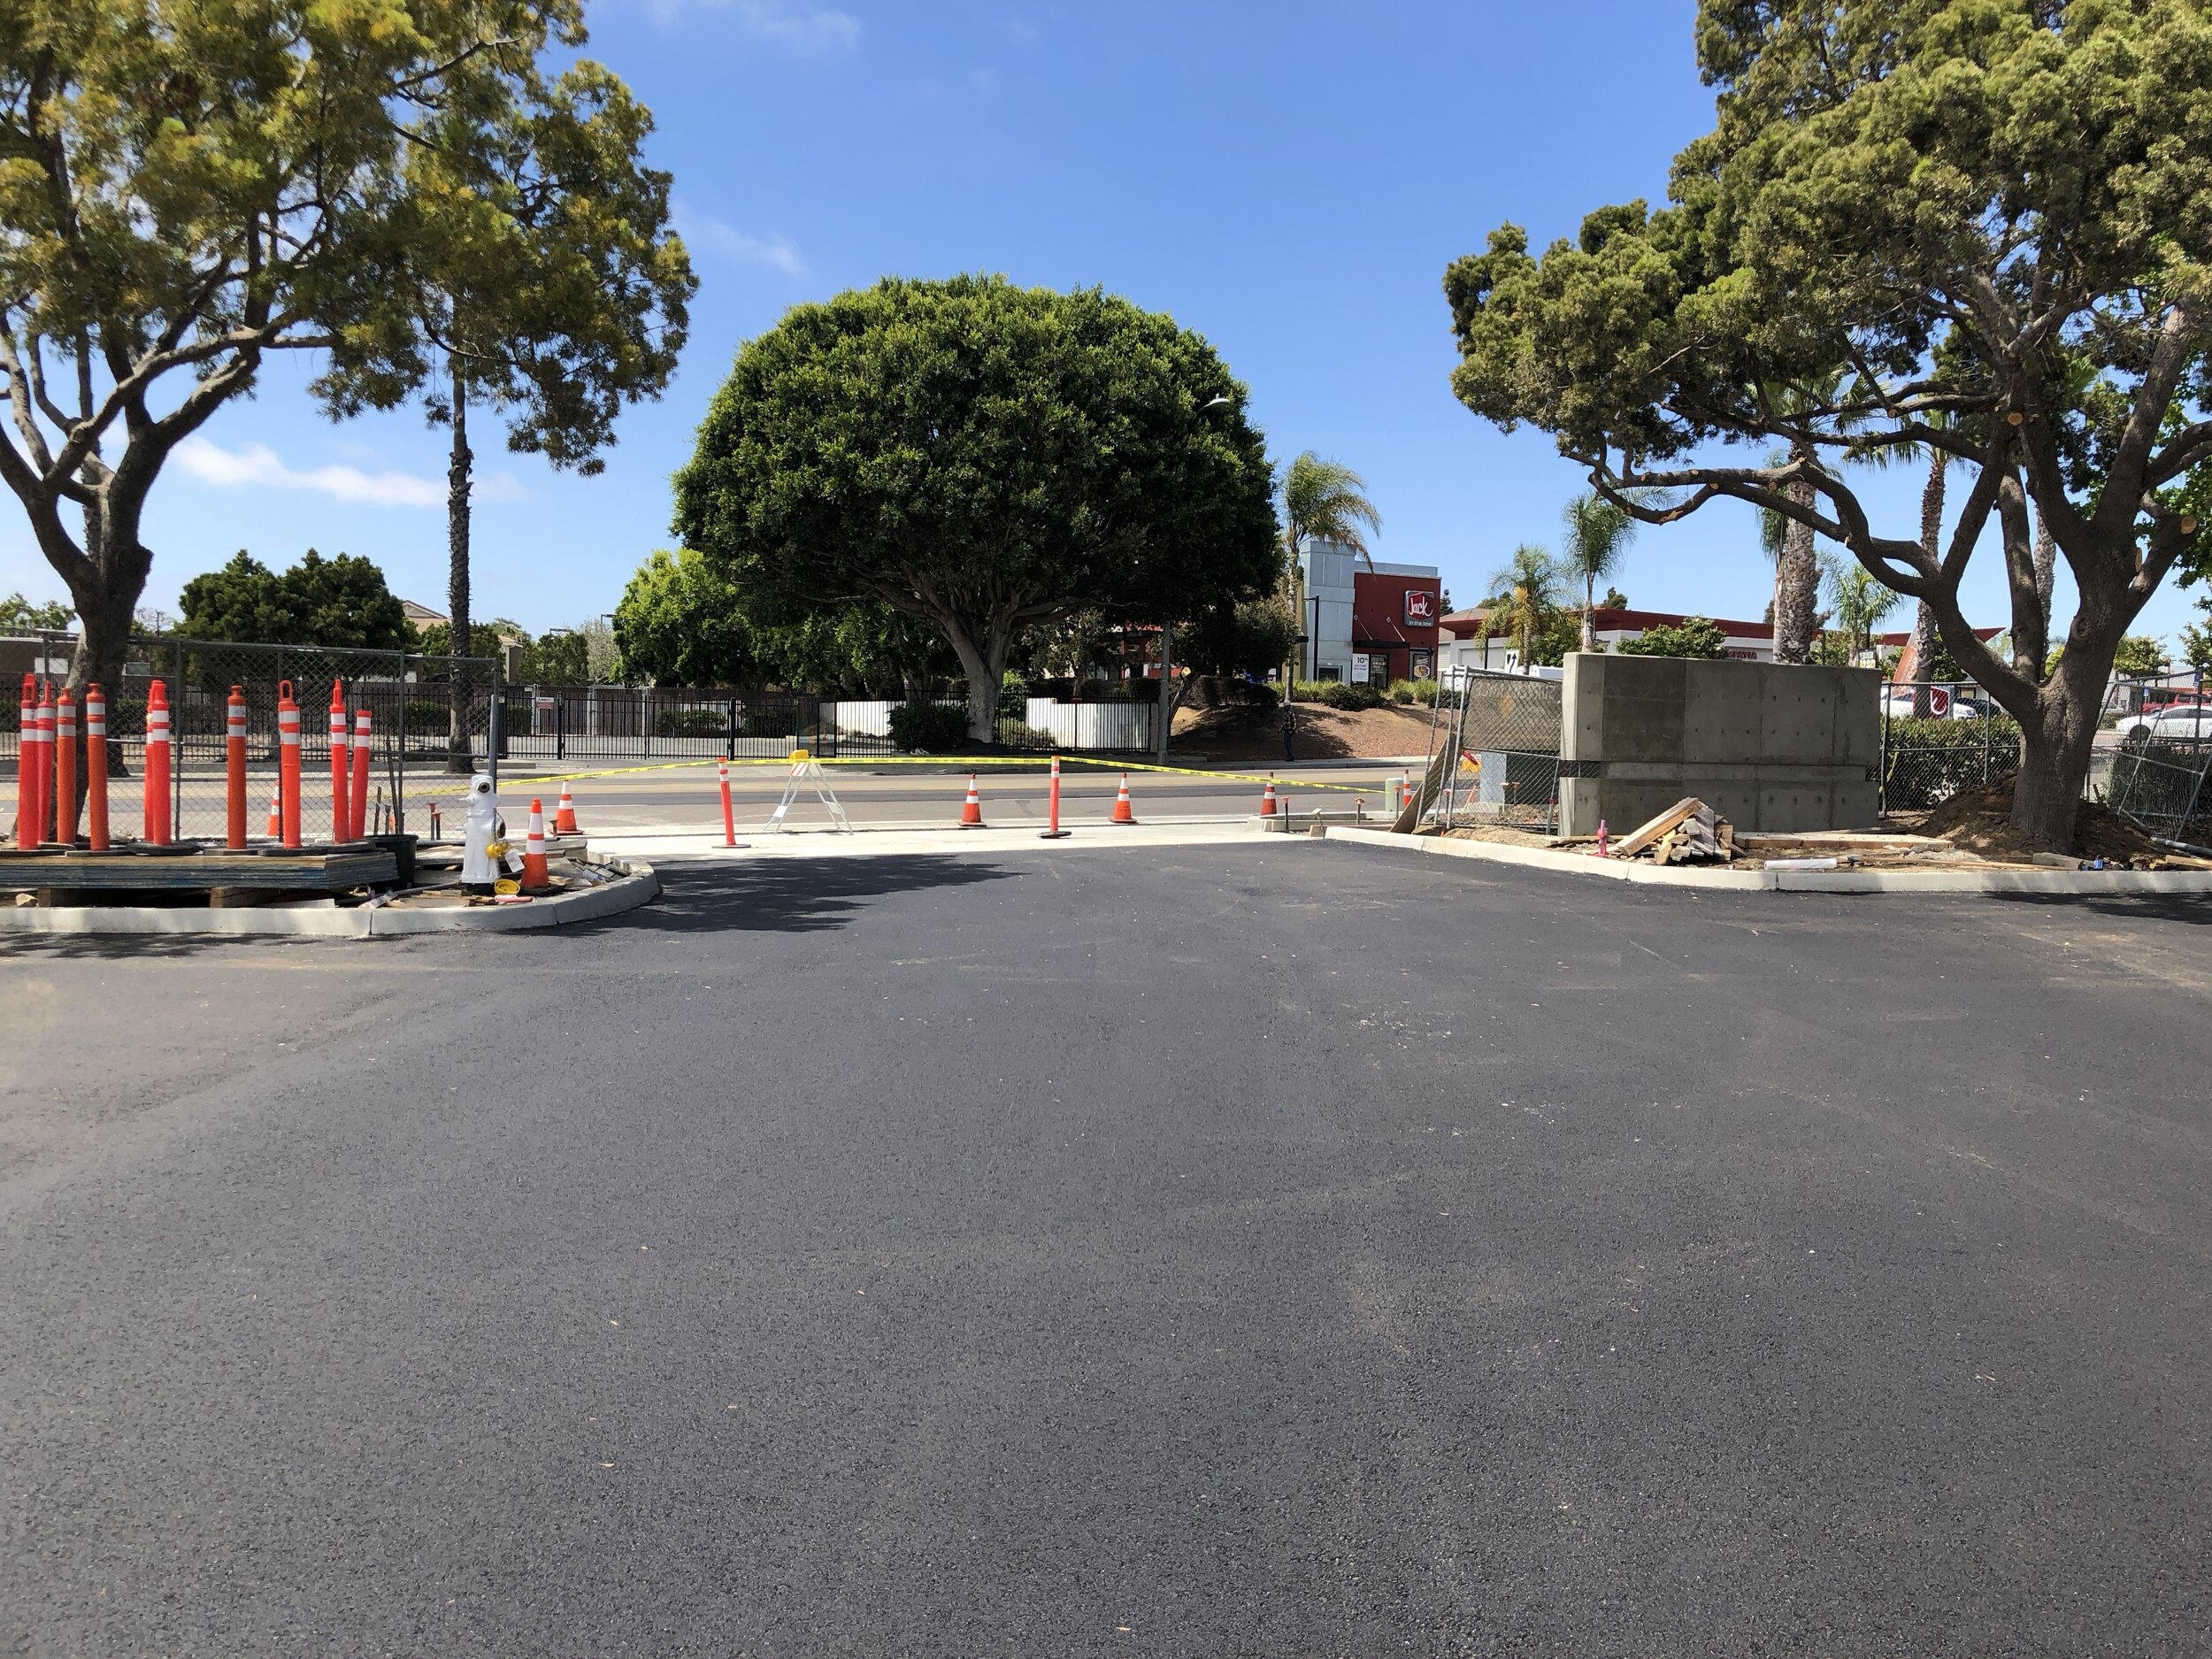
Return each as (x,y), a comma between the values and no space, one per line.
(123,872)
(1630,844)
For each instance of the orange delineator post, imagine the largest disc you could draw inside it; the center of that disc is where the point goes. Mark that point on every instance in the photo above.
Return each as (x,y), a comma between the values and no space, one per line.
(289,760)
(234,769)
(158,825)
(65,768)
(534,873)
(729,815)
(96,767)
(564,820)
(341,764)
(972,810)
(45,721)
(27,766)
(363,732)
(1055,832)
(1123,813)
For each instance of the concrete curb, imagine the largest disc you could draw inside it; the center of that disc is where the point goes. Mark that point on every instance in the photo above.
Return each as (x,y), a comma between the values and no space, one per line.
(2048,883)
(638,885)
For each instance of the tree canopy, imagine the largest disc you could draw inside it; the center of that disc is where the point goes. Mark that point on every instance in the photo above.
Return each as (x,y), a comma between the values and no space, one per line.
(186,188)
(334,602)
(1986,223)
(983,456)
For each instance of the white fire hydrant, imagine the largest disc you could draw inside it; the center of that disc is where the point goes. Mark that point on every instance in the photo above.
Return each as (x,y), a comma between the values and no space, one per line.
(477,869)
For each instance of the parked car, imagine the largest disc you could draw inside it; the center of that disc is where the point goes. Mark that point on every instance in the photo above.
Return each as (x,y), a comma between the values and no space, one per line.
(2176,722)
(1942,703)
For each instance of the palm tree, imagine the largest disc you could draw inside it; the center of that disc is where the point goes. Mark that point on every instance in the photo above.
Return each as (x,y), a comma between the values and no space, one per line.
(1597,533)
(1859,601)
(1326,501)
(1529,588)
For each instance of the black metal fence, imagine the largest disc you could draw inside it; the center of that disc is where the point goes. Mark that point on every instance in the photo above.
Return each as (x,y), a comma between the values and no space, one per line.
(408,696)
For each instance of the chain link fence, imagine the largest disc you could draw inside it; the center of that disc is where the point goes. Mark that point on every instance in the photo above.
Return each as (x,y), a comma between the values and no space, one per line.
(2159,766)
(1937,738)
(1503,732)
(409,697)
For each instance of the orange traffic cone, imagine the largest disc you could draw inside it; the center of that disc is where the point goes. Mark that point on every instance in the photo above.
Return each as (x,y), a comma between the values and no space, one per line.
(276,812)
(1267,801)
(1121,813)
(564,818)
(972,813)
(533,876)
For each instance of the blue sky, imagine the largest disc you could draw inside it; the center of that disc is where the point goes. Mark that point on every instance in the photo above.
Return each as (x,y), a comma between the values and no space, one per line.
(1289,178)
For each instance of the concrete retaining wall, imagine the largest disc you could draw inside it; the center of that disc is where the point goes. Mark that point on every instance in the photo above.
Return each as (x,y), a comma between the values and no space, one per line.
(1770,747)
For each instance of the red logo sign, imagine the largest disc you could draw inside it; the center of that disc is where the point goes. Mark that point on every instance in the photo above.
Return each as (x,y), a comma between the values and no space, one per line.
(1420,607)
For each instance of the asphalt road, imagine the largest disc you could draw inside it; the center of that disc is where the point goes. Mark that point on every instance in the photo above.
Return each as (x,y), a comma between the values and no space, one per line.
(920,796)
(1273,1250)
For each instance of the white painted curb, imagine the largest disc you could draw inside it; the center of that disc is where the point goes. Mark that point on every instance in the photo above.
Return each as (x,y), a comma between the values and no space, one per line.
(638,885)
(2050,882)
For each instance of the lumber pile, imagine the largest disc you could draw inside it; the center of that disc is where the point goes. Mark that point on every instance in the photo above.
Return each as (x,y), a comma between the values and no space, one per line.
(1687,832)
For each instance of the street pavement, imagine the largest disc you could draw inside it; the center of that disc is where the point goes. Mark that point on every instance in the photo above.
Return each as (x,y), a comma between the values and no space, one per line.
(623,803)
(1272,1250)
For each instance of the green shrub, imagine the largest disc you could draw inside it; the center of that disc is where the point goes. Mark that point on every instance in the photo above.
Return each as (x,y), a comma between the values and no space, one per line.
(1351,697)
(424,717)
(1424,693)
(929,728)
(695,722)
(1013,697)
(1696,637)
(1401,692)
(1021,735)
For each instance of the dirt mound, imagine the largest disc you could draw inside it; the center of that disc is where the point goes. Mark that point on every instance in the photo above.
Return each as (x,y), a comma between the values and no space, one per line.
(1980,820)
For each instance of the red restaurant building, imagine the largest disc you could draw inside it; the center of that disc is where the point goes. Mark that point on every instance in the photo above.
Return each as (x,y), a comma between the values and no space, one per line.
(1395,610)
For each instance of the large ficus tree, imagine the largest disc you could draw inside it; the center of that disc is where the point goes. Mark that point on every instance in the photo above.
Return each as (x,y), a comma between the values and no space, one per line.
(984,456)
(1986,224)
(188,187)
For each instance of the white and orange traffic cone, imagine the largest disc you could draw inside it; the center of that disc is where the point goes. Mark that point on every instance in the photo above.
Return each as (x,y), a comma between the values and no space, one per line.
(1267,801)
(565,816)
(276,812)
(1123,813)
(972,811)
(534,874)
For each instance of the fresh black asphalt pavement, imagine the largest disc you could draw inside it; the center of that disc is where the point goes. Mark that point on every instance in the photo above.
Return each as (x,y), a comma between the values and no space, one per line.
(1283,1249)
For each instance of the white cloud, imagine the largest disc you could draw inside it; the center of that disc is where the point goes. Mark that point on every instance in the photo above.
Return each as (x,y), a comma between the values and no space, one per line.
(711,236)
(258,464)
(790,23)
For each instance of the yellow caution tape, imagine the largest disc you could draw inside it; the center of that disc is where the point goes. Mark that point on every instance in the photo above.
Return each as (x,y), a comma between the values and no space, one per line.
(1040,761)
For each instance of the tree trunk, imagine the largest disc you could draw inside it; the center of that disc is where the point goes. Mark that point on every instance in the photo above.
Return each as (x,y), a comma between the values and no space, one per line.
(1924,625)
(459,751)
(984,665)
(1796,587)
(2054,749)
(2045,573)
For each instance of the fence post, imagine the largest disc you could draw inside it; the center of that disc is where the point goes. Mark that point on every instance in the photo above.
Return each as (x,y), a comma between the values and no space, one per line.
(176,771)
(560,725)
(729,740)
